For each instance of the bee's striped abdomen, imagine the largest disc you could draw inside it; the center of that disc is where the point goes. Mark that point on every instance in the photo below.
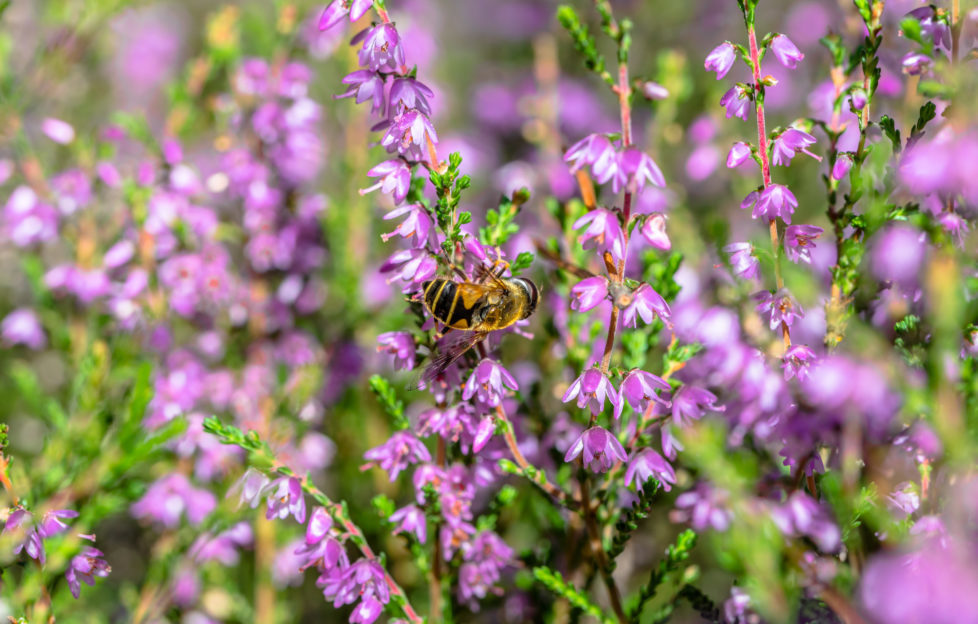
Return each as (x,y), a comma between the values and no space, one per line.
(442,299)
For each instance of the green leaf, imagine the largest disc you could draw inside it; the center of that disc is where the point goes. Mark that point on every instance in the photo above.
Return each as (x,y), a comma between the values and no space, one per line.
(911,29)
(522,262)
(889,129)
(552,580)
(387,397)
(581,37)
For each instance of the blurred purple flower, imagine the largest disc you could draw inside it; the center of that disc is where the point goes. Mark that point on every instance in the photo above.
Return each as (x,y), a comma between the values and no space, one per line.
(397,453)
(915,63)
(799,241)
(897,254)
(801,515)
(742,260)
(84,567)
(796,361)
(598,448)
(779,307)
(285,498)
(22,326)
(591,388)
(690,403)
(401,346)
(27,220)
(410,519)
(647,464)
(169,498)
(785,51)
(721,59)
(703,507)
(588,293)
(58,131)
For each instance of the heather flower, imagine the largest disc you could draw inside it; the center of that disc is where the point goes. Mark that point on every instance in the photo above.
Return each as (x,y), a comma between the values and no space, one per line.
(410,519)
(409,93)
(591,388)
(721,59)
(690,403)
(27,220)
(802,515)
(58,131)
(326,554)
(858,100)
(653,90)
(897,254)
(737,102)
(119,254)
(598,448)
(780,307)
(367,611)
(411,265)
(604,230)
(488,382)
(654,231)
(799,241)
(223,548)
(363,579)
(252,485)
(485,556)
(588,293)
(84,567)
(785,51)
(637,168)
(737,608)
(796,361)
(416,226)
(638,389)
(738,154)
(410,130)
(339,9)
(703,507)
(935,29)
(595,150)
(401,346)
(397,453)
(21,520)
(647,464)
(169,498)
(742,260)
(382,48)
(773,202)
(366,85)
(51,523)
(790,141)
(395,179)
(285,498)
(915,63)
(843,163)
(22,326)
(646,304)
(320,522)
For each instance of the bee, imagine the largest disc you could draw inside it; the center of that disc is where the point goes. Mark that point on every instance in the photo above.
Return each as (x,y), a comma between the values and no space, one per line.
(475,309)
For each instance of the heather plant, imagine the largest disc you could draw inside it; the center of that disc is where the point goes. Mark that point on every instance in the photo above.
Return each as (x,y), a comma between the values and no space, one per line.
(745,393)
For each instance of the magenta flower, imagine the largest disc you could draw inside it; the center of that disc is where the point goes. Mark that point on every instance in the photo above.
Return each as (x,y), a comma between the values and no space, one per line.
(364,579)
(773,202)
(843,163)
(598,448)
(365,85)
(169,498)
(58,131)
(319,525)
(51,523)
(84,567)
(647,464)
(742,260)
(591,388)
(395,179)
(285,498)
(488,382)
(915,63)
(721,59)
(796,361)
(785,51)
(704,507)
(381,47)
(790,141)
(690,403)
(802,515)
(638,389)
(636,168)
(27,220)
(654,91)
(858,100)
(799,240)
(409,93)
(780,307)
(897,254)
(410,519)
(416,226)
(411,265)
(603,230)
(739,152)
(367,611)
(339,9)
(397,453)
(21,520)
(401,346)
(737,102)
(588,293)
(22,326)
(410,130)
(252,485)
(594,150)
(654,231)
(646,304)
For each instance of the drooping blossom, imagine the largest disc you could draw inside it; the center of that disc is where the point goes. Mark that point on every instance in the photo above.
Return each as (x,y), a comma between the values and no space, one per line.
(801,515)
(738,154)
(22,326)
(84,567)
(843,163)
(489,382)
(602,230)
(411,130)
(171,497)
(408,92)
(338,9)
(588,293)
(382,49)
(365,85)
(647,464)
(744,263)
(645,304)
(779,307)
(285,498)
(721,59)
(591,388)
(596,151)
(598,448)
(775,201)
(785,51)
(799,241)
(395,179)
(638,389)
(690,403)
(416,228)
(737,102)
(796,361)
(397,453)
(637,168)
(401,346)
(410,519)
(788,143)
(653,230)
(703,507)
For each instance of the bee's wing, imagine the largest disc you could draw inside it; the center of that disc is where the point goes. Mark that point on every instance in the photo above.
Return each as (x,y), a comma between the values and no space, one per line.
(449,349)
(472,294)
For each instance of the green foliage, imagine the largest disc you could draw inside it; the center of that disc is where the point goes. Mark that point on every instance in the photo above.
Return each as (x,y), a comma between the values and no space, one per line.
(581,37)
(676,554)
(552,580)
(629,519)
(500,220)
(449,186)
(387,397)
(701,603)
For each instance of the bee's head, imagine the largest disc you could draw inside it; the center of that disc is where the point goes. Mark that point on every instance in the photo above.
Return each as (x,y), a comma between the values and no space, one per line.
(532,295)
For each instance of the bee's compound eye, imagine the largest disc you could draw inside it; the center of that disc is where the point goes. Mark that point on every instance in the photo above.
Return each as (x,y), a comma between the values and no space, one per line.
(532,295)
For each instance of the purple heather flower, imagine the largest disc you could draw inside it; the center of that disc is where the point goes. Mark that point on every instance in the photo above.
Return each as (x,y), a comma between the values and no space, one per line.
(598,448)
(21,520)
(780,307)
(799,240)
(252,485)
(604,230)
(775,201)
(51,523)
(319,525)
(84,567)
(119,254)
(488,382)
(397,453)
(410,130)
(412,520)
(401,346)
(382,48)
(367,611)
(635,169)
(739,153)
(407,93)
(646,304)
(364,579)
(703,507)
(591,388)
(858,100)
(647,464)
(721,59)
(588,293)
(27,220)
(595,150)
(904,500)
(915,63)
(785,51)
(742,260)
(897,254)
(365,85)
(169,498)
(58,131)
(22,326)
(223,548)
(689,404)
(843,163)
(790,141)
(935,29)
(338,9)
(796,361)
(653,90)
(395,179)
(955,225)
(654,231)
(737,102)
(638,389)
(416,226)
(285,498)
(802,515)
(737,608)
(411,265)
